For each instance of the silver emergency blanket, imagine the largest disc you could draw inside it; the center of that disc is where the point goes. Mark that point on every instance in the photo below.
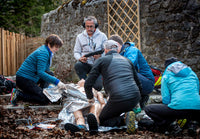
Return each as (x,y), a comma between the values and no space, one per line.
(53,93)
(74,99)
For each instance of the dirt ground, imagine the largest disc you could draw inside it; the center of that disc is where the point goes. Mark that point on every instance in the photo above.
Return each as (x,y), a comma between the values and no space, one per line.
(13,124)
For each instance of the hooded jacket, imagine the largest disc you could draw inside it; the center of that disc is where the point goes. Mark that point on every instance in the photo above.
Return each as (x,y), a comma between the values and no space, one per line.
(136,57)
(180,87)
(85,44)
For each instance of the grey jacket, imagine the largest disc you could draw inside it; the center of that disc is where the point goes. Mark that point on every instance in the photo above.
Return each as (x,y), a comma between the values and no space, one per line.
(85,44)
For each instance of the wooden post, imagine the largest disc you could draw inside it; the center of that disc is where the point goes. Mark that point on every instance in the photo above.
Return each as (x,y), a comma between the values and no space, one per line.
(13,59)
(9,62)
(21,49)
(1,52)
(108,18)
(4,53)
(138,20)
(25,47)
(17,51)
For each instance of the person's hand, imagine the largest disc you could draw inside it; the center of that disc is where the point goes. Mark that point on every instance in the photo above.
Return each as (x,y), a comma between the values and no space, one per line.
(83,59)
(61,85)
(91,100)
(81,83)
(97,56)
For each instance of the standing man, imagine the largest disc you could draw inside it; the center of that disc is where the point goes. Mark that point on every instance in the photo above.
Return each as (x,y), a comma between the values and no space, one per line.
(144,72)
(90,40)
(120,83)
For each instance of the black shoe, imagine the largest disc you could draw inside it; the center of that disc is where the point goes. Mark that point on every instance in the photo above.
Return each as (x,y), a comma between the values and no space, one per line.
(93,124)
(72,128)
(146,124)
(192,128)
(143,101)
(173,129)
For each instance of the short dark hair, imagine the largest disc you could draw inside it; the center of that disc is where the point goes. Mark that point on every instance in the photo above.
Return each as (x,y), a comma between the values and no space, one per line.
(52,40)
(170,61)
(116,38)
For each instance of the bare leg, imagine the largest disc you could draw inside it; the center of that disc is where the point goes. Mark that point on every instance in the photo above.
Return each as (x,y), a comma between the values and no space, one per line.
(79,118)
(96,109)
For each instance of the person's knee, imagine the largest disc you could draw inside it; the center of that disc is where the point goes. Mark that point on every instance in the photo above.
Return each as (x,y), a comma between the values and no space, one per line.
(44,100)
(78,66)
(147,109)
(98,87)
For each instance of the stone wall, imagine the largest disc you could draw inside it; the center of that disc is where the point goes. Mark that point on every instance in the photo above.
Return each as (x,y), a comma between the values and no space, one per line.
(171,28)
(168,28)
(66,21)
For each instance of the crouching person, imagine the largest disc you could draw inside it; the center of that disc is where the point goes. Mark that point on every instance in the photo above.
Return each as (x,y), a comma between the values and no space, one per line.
(34,74)
(120,83)
(180,97)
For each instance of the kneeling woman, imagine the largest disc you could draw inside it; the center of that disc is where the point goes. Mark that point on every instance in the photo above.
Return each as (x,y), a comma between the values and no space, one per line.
(34,74)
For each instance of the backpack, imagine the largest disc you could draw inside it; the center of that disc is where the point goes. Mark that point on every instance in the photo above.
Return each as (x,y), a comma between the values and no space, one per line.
(6,85)
(157,76)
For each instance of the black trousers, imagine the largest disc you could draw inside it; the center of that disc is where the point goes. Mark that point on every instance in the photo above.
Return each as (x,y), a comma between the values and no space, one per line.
(110,114)
(163,115)
(82,69)
(32,92)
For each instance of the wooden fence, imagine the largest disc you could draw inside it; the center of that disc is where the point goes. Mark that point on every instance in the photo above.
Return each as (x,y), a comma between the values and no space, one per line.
(124,20)
(14,49)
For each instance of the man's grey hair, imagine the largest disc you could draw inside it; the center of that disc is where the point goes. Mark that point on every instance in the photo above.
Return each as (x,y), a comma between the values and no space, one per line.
(90,18)
(111,44)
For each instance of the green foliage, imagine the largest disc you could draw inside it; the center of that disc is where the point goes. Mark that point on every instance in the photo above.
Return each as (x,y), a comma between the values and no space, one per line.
(24,16)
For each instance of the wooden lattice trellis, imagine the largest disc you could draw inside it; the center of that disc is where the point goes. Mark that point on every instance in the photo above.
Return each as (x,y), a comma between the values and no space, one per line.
(123,19)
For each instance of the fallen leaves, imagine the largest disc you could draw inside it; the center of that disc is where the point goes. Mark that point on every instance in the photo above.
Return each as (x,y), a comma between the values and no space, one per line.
(13,124)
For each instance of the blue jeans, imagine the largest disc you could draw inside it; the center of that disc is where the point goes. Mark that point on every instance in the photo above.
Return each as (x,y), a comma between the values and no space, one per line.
(147,85)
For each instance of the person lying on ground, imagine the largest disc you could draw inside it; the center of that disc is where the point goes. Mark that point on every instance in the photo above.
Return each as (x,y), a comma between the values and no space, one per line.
(180,97)
(120,83)
(94,109)
(34,73)
(143,70)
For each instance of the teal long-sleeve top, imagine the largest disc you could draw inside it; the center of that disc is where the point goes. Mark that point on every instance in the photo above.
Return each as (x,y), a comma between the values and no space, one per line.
(36,64)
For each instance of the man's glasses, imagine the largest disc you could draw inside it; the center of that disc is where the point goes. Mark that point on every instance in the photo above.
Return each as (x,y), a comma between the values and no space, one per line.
(89,26)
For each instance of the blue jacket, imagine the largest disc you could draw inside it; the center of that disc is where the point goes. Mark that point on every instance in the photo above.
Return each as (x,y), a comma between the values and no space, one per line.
(36,64)
(136,57)
(180,87)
